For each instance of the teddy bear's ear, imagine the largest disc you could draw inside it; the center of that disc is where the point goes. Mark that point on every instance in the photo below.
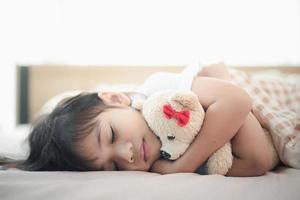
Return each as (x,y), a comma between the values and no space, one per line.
(138,104)
(186,98)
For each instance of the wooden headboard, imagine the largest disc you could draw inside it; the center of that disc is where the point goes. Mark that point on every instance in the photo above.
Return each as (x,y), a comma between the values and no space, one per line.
(38,83)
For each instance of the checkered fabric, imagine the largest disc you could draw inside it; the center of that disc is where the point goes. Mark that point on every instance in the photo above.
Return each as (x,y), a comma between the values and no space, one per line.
(276,103)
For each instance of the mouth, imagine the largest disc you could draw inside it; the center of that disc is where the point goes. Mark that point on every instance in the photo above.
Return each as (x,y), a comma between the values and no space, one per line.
(144,151)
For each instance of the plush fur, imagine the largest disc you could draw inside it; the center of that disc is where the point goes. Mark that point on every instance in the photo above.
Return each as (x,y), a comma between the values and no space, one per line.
(176,118)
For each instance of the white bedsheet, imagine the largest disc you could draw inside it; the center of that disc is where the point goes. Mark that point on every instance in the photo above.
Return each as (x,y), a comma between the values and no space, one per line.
(282,184)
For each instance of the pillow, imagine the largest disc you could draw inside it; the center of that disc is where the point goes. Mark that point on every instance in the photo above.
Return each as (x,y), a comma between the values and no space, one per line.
(51,103)
(13,145)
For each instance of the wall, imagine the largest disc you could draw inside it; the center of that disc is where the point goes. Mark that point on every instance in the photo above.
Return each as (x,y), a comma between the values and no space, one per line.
(257,32)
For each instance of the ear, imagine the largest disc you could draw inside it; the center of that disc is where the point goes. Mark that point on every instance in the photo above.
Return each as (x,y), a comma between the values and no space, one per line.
(186,99)
(117,99)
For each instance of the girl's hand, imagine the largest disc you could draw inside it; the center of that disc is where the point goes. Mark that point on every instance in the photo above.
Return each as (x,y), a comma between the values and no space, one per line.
(164,167)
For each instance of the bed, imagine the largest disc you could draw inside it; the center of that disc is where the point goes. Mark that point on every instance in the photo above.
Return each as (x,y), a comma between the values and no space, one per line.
(37,84)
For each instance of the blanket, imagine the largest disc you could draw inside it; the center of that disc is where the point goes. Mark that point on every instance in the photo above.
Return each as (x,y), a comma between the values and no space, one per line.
(276,104)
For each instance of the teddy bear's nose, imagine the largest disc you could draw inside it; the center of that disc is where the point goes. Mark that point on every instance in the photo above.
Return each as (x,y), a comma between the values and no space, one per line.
(171,137)
(164,155)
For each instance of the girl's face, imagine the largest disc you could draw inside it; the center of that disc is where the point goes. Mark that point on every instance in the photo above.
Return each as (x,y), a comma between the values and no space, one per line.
(122,139)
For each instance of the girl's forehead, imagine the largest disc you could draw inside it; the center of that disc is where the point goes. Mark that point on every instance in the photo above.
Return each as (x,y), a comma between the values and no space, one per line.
(109,117)
(103,120)
(117,117)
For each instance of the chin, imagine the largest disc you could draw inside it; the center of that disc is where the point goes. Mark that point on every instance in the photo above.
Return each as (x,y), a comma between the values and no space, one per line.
(147,169)
(142,168)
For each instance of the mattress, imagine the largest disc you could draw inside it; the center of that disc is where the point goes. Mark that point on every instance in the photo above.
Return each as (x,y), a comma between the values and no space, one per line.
(283,183)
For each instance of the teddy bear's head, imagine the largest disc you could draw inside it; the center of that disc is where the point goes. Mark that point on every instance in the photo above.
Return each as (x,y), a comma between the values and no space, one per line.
(175,117)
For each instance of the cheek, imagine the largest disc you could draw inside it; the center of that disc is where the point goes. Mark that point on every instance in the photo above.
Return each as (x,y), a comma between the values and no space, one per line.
(133,125)
(138,127)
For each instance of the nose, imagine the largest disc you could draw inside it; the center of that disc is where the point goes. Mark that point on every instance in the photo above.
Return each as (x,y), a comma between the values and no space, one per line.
(125,152)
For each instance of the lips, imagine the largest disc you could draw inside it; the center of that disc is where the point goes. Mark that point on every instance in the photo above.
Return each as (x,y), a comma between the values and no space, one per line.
(144,151)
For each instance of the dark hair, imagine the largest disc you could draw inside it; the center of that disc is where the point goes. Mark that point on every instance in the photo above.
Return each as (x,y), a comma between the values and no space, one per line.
(54,137)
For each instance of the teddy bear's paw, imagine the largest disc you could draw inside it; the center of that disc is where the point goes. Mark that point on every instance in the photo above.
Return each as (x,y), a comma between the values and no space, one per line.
(221,161)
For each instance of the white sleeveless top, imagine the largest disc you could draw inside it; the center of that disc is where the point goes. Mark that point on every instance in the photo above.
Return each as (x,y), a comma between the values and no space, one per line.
(169,81)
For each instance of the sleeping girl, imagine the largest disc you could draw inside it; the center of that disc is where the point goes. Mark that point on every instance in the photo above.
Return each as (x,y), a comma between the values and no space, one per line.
(101,131)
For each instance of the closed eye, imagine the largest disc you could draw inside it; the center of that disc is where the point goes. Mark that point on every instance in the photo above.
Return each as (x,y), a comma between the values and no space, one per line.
(113,138)
(113,135)
(115,166)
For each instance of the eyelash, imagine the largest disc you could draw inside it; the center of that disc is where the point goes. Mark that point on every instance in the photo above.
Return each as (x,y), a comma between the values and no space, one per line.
(113,138)
(116,168)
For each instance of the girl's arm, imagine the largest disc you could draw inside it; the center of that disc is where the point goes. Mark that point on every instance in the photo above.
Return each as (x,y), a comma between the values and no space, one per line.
(227,107)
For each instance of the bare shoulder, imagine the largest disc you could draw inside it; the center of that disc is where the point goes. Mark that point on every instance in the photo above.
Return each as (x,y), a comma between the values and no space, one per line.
(209,90)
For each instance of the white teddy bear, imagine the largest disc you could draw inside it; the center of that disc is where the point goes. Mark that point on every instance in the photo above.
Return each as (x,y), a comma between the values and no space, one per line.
(176,118)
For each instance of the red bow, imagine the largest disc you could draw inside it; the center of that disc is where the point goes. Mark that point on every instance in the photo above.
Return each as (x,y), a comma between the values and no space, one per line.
(181,116)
